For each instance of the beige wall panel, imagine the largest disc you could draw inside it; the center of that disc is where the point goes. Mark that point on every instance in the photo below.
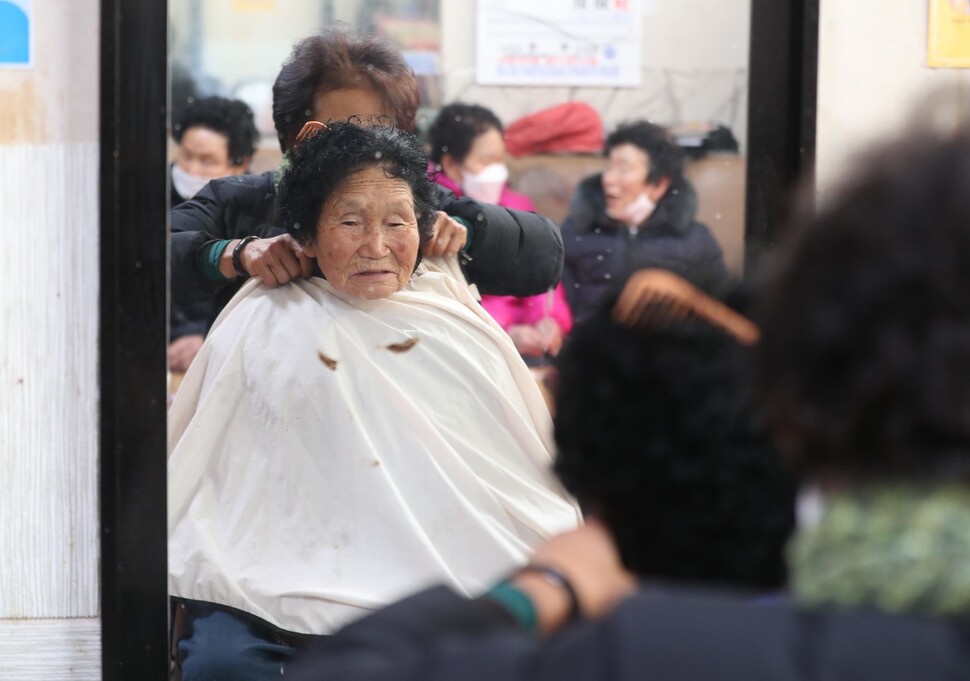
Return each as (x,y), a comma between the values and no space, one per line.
(48,379)
(49,598)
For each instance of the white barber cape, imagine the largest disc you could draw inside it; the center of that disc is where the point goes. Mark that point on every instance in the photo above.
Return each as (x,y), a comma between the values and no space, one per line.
(329,455)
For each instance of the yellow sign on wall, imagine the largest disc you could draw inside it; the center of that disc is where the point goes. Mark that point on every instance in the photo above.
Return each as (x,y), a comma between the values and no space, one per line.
(948,44)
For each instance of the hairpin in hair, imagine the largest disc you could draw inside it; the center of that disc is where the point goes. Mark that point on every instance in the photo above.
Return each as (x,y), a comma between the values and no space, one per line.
(310,128)
(655,297)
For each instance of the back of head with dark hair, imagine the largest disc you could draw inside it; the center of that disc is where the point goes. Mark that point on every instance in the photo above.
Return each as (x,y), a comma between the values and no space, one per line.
(456,127)
(657,436)
(335,59)
(666,157)
(324,160)
(867,320)
(230,117)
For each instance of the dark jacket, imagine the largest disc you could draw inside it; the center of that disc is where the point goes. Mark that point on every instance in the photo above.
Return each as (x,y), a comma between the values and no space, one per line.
(188,317)
(602,252)
(675,636)
(509,252)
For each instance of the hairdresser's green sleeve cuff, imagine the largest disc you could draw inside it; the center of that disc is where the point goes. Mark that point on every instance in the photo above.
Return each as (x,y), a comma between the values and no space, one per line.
(517,603)
(210,255)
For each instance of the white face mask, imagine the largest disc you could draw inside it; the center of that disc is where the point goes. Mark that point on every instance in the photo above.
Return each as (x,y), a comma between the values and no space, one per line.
(635,212)
(486,185)
(186,184)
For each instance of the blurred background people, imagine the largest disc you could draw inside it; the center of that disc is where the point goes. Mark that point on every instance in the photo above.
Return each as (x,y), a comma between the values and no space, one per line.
(215,137)
(638,213)
(468,155)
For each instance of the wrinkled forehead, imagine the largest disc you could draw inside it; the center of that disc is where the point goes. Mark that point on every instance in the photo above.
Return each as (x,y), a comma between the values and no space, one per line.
(371,188)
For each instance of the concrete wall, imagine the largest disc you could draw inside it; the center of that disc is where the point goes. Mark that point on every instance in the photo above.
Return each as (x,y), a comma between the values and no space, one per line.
(872,71)
(49,599)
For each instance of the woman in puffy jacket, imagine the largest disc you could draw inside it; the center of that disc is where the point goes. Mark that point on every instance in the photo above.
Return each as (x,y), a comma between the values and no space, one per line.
(638,213)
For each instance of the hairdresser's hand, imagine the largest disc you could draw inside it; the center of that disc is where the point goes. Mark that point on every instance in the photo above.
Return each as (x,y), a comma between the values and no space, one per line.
(276,260)
(591,562)
(449,237)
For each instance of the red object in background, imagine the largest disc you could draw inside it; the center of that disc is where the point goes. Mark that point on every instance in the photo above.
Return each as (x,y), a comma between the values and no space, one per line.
(568,127)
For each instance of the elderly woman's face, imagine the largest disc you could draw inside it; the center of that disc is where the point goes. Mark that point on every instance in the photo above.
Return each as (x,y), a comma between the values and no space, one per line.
(367,236)
(625,178)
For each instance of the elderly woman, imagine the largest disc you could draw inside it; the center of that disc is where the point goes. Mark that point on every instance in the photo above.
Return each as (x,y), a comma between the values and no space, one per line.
(640,212)
(345,439)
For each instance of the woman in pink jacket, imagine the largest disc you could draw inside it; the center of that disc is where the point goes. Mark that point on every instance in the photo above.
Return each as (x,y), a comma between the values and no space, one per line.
(468,154)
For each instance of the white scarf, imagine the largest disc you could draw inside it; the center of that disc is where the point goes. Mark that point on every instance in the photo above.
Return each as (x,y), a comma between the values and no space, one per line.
(307,495)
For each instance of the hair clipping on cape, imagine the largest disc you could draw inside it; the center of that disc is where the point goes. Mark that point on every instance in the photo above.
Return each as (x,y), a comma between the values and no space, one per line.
(309,128)
(658,298)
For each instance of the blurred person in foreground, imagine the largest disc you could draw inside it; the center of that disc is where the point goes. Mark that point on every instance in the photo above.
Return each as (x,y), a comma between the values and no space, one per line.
(215,137)
(346,439)
(230,230)
(658,438)
(865,344)
(640,212)
(468,158)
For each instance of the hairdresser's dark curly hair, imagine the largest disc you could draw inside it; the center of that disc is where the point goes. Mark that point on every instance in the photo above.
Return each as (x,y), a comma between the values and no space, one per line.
(657,436)
(666,157)
(324,160)
(230,117)
(866,343)
(456,127)
(335,59)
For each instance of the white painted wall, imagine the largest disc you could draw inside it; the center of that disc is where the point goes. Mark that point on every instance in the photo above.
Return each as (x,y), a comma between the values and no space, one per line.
(49,599)
(872,72)
(694,57)
(694,60)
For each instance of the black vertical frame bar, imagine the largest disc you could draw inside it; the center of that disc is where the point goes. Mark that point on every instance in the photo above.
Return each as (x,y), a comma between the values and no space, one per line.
(132,343)
(782,96)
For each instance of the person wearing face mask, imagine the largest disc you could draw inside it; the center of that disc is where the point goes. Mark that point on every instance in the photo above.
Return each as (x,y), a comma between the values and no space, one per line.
(216,137)
(638,213)
(468,158)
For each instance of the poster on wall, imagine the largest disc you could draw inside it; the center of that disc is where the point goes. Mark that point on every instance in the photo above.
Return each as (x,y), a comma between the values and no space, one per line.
(948,43)
(16,18)
(591,43)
